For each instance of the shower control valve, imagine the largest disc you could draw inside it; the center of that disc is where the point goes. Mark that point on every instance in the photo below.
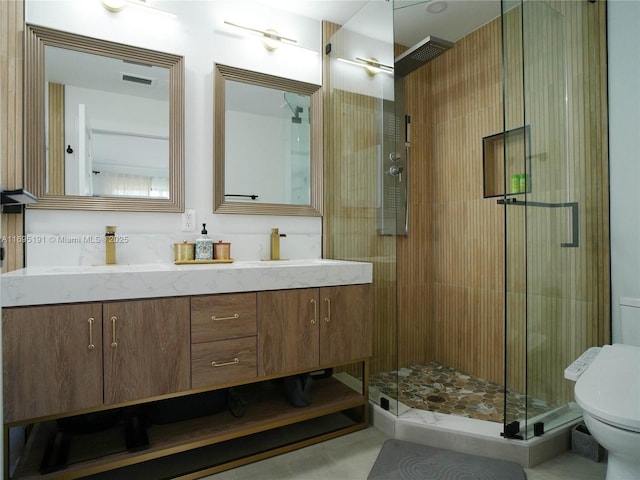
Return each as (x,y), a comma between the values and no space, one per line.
(396,171)
(394,156)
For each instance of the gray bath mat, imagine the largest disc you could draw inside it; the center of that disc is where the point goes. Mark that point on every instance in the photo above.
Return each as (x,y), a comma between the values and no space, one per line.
(400,460)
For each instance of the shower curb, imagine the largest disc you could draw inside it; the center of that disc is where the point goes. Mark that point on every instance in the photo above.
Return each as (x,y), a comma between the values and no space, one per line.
(475,437)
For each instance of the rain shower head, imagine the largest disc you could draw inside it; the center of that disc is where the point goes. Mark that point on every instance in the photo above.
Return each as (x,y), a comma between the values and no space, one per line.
(421,53)
(297,110)
(296,118)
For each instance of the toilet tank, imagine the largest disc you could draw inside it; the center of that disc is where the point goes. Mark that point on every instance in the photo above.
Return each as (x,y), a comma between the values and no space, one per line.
(630,320)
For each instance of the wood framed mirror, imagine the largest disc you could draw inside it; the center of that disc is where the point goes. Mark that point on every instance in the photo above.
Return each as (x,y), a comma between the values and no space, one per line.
(268,144)
(104,124)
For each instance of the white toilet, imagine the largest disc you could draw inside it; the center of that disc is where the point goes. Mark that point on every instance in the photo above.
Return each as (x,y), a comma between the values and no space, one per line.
(608,392)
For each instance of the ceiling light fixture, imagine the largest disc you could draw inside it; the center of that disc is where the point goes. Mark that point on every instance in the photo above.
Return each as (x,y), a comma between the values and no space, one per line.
(271,39)
(118,5)
(114,5)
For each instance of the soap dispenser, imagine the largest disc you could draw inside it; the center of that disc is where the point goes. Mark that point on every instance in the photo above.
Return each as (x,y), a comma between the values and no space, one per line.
(204,245)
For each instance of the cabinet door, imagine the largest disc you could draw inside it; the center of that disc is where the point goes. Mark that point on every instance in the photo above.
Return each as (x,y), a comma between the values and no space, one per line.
(345,323)
(147,348)
(49,364)
(287,330)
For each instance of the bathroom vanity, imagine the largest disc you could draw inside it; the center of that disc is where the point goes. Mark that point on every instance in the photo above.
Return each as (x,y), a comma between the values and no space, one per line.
(95,340)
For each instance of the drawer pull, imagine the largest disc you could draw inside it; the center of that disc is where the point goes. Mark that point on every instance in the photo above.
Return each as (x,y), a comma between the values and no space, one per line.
(315,311)
(91,346)
(225,364)
(114,343)
(219,319)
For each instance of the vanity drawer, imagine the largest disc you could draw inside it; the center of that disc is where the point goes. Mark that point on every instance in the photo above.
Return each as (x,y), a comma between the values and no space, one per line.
(219,317)
(225,361)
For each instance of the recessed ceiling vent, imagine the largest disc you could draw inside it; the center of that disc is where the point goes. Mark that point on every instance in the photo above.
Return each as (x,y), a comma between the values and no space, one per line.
(128,77)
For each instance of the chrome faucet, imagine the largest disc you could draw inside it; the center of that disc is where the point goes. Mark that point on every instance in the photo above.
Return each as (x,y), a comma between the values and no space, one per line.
(275,243)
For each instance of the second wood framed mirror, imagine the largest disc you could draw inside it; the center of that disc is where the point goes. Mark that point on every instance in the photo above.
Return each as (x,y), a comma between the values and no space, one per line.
(268,144)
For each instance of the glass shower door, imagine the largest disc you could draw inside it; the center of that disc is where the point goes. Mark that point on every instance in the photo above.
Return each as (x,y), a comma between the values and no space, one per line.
(555,210)
(360,99)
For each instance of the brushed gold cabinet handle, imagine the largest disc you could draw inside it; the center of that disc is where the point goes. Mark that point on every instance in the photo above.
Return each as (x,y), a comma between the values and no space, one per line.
(219,319)
(327,319)
(225,364)
(315,311)
(91,346)
(114,343)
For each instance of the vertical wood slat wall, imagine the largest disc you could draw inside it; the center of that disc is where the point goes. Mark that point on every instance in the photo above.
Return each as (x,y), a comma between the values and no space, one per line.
(11,60)
(56,147)
(450,266)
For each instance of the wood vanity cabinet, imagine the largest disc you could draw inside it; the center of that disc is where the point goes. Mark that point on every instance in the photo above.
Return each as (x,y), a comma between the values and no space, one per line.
(61,360)
(52,360)
(313,327)
(64,358)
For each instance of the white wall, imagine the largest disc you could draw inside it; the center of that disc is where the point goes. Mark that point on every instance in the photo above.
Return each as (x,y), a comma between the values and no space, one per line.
(624,152)
(198,34)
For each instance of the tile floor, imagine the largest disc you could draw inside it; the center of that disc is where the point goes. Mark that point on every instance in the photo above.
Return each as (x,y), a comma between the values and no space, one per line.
(351,457)
(443,389)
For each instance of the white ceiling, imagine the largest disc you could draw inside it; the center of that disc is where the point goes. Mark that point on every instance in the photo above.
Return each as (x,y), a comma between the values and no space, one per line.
(412,23)
(412,20)
(86,70)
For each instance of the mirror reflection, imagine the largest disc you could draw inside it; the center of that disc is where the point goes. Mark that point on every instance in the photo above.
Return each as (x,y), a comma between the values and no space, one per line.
(106,124)
(113,117)
(268,144)
(279,152)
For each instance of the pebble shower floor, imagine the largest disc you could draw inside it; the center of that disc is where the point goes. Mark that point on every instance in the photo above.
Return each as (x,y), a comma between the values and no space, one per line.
(442,389)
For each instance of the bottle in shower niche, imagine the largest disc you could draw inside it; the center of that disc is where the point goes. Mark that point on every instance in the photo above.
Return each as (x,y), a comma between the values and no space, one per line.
(515,183)
(524,183)
(204,245)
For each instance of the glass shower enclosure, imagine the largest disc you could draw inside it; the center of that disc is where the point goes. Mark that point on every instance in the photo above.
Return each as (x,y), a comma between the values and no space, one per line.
(477,186)
(556,220)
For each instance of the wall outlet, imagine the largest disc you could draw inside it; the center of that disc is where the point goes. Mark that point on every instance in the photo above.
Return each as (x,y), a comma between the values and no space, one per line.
(189,220)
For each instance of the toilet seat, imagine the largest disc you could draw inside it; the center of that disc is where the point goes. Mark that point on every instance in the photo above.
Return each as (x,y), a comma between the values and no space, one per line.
(609,389)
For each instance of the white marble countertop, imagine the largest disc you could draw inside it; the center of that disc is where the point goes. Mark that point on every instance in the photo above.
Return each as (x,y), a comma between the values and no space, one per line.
(51,285)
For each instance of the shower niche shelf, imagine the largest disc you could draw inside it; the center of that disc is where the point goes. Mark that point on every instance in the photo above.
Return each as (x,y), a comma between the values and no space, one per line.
(505,155)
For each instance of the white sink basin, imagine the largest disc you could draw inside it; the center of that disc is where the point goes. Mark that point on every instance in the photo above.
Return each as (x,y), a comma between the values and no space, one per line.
(151,267)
